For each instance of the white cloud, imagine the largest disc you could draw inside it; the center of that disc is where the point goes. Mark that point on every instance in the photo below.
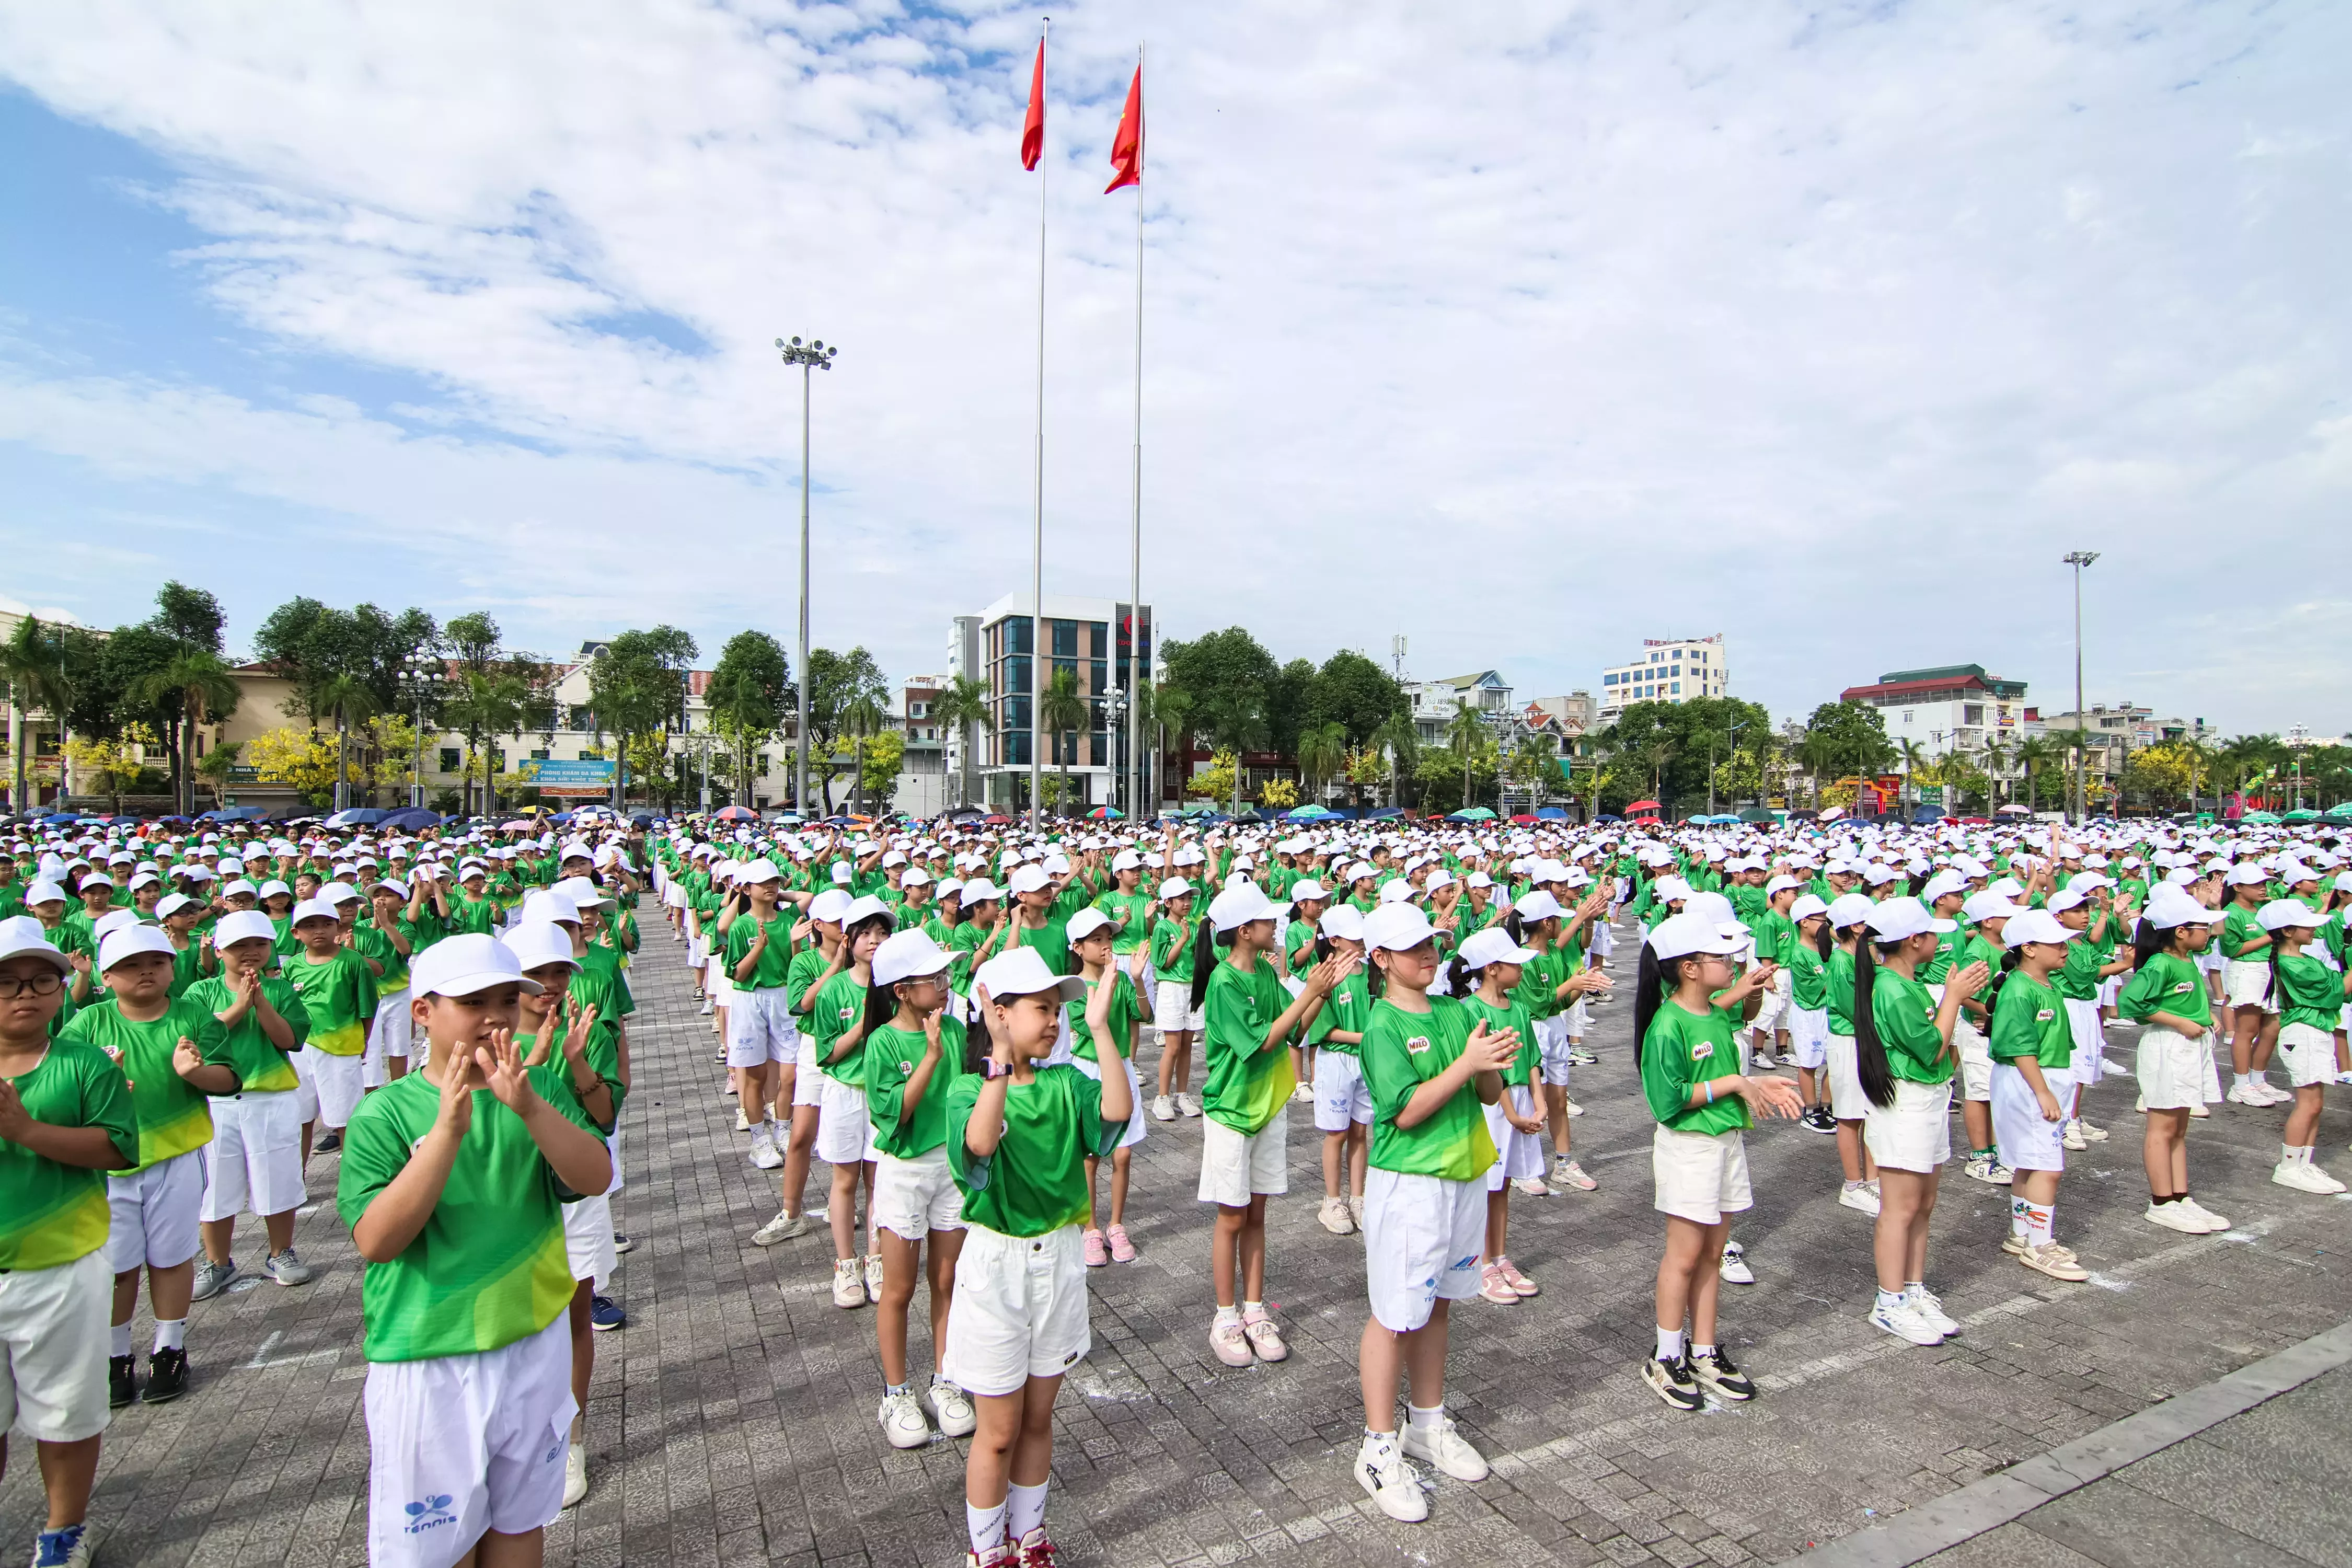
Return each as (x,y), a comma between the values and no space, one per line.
(1529,332)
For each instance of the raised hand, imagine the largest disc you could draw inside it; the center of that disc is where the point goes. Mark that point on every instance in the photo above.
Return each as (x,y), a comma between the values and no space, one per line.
(1490,1050)
(1771,1095)
(503,1074)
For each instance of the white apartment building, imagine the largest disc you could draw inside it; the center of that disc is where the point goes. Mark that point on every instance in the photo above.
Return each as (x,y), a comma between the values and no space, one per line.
(1947,708)
(1669,670)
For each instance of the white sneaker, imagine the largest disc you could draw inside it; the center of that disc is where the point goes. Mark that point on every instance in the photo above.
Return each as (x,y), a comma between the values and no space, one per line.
(1532,1185)
(1447,1449)
(1570,1107)
(1334,1217)
(903,1426)
(1733,1266)
(1189,1104)
(742,1122)
(2178,1217)
(1302,1092)
(764,1153)
(783,1227)
(848,1288)
(575,1474)
(1859,1198)
(1904,1323)
(2215,1221)
(1163,1109)
(2074,1139)
(1356,1208)
(2244,1094)
(2095,1134)
(874,1277)
(2304,1177)
(1930,1308)
(950,1408)
(1380,1470)
(2271,1096)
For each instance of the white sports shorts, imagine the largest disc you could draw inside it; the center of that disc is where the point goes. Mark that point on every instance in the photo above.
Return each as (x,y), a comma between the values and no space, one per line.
(255,1157)
(394,1032)
(465,1444)
(914,1198)
(845,1132)
(761,1028)
(1341,1100)
(2089,1063)
(1237,1166)
(2170,1068)
(1700,1176)
(808,1078)
(53,1348)
(2026,1141)
(1137,1120)
(1976,1059)
(1847,1102)
(2247,986)
(155,1214)
(2309,1055)
(1172,1011)
(1516,1153)
(1809,1036)
(1915,1134)
(1020,1310)
(1423,1238)
(335,1084)
(588,1239)
(1551,1041)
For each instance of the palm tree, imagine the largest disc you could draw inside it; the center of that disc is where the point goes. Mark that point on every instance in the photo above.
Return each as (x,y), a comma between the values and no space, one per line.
(350,701)
(1397,736)
(1464,734)
(33,660)
(1657,754)
(1066,712)
(2036,755)
(1914,757)
(1171,711)
(962,706)
(207,691)
(1322,751)
(862,719)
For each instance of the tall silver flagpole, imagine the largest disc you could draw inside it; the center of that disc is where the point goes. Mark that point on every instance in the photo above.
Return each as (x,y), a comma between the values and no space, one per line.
(1037,522)
(1135,727)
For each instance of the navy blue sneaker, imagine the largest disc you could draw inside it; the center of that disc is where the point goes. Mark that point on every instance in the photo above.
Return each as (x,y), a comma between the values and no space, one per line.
(66,1548)
(604,1316)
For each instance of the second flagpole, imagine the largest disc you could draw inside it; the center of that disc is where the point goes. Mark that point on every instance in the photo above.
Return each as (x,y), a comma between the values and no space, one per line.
(1136,728)
(1037,520)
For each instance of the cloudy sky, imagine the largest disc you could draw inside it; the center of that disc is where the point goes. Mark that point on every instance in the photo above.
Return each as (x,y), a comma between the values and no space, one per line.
(1527,331)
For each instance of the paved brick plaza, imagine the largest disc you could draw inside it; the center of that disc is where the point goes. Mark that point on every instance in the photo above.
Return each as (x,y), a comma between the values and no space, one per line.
(733,1422)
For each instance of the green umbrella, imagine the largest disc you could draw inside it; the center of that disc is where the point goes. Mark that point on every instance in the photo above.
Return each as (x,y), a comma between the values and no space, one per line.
(2302,814)
(1472,814)
(2259,816)
(2342,813)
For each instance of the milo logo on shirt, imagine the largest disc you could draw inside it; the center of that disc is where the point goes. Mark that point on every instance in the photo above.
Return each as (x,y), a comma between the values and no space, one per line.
(2045,1016)
(2184,988)
(428,1513)
(1417,1045)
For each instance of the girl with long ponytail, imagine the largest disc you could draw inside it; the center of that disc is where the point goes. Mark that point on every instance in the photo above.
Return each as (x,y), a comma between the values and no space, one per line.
(1903,1048)
(1848,1104)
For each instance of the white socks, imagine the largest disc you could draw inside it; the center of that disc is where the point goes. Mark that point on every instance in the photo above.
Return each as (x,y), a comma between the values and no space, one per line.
(120,1345)
(985,1526)
(1670,1346)
(1026,1508)
(1426,1420)
(173,1335)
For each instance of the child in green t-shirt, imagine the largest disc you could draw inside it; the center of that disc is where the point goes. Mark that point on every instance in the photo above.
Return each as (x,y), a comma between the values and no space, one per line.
(452,1184)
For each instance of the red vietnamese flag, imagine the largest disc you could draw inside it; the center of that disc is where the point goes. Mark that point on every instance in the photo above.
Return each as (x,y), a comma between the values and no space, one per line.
(1033,127)
(1126,142)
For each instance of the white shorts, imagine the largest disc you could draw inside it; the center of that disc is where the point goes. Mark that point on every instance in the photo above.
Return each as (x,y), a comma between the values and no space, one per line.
(463,1444)
(335,1083)
(588,1239)
(1915,1134)
(2090,1036)
(2248,984)
(1847,1102)
(155,1213)
(672,894)
(1020,1310)
(2171,1067)
(1423,1239)
(2026,1141)
(1172,1009)
(761,1029)
(394,1030)
(1553,1048)
(1976,1059)
(1809,1036)
(1516,1153)
(1137,1120)
(1237,1166)
(1700,1176)
(255,1157)
(808,1078)
(845,1132)
(1341,1100)
(53,1348)
(914,1198)
(2308,1054)
(1773,1013)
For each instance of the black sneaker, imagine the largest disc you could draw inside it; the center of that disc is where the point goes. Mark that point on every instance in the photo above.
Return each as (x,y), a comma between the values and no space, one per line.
(1672,1381)
(1715,1372)
(167,1375)
(121,1380)
(327,1142)
(1818,1119)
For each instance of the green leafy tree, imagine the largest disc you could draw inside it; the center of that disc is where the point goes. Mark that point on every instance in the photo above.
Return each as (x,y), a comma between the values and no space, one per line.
(1322,753)
(1065,713)
(843,687)
(1397,737)
(1287,696)
(750,694)
(1353,692)
(205,690)
(963,706)
(637,687)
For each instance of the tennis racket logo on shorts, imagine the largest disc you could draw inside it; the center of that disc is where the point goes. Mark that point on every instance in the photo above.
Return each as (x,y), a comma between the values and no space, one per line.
(429,1514)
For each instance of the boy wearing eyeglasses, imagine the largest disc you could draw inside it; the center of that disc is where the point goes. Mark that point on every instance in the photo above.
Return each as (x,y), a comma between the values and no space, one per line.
(66,1119)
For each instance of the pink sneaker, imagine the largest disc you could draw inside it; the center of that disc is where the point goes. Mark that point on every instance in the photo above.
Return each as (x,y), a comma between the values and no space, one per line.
(1231,1346)
(1264,1338)
(1493,1286)
(1096,1252)
(1519,1281)
(1121,1250)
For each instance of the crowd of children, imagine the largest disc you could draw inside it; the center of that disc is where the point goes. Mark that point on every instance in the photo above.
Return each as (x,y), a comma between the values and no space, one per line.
(950,1017)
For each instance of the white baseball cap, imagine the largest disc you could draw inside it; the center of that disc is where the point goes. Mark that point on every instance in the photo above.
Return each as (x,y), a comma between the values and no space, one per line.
(243,925)
(313,910)
(549,905)
(1900,918)
(1680,936)
(1399,928)
(833,903)
(1238,905)
(21,936)
(2168,906)
(1022,972)
(1085,923)
(905,955)
(1174,888)
(124,941)
(2035,925)
(1494,945)
(2282,914)
(538,943)
(1345,921)
(463,965)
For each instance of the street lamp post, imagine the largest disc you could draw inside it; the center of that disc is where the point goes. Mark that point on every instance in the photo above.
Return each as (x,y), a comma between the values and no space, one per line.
(813,356)
(1730,732)
(2078,559)
(1115,707)
(420,665)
